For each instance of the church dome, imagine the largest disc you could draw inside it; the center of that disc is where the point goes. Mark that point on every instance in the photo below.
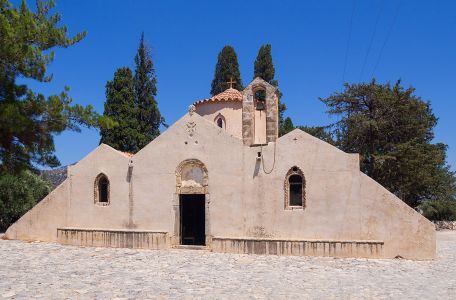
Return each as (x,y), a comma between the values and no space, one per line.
(229,94)
(224,110)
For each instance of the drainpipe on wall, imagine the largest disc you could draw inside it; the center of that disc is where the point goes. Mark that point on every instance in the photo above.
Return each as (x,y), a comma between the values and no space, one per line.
(130,193)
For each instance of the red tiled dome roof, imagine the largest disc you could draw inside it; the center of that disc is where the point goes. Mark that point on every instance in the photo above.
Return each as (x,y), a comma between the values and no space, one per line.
(227,95)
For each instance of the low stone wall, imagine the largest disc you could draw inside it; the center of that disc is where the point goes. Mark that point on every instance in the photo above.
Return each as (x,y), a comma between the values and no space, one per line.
(113,238)
(333,248)
(445,225)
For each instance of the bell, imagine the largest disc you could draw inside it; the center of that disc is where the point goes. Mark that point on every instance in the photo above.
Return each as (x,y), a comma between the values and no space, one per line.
(260,105)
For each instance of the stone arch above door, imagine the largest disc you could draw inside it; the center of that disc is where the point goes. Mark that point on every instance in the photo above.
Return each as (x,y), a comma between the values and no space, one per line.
(191,177)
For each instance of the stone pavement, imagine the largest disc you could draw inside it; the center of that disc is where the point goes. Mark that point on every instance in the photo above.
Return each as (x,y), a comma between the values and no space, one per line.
(52,271)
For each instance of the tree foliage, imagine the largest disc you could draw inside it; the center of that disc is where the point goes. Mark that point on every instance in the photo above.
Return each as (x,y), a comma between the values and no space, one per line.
(287,126)
(120,106)
(28,120)
(392,129)
(19,193)
(130,100)
(264,68)
(227,68)
(148,115)
(435,210)
(318,132)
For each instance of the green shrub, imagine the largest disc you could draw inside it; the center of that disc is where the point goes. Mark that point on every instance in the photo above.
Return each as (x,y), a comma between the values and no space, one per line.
(18,194)
(439,210)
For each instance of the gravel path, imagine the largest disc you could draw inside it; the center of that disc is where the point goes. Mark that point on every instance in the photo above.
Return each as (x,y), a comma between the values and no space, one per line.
(52,271)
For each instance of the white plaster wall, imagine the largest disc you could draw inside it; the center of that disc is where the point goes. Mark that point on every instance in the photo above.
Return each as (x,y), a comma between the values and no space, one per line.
(341,202)
(82,209)
(231,110)
(71,204)
(41,222)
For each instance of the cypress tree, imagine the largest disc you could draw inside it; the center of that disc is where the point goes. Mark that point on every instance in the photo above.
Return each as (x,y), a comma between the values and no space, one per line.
(120,106)
(227,68)
(264,68)
(148,114)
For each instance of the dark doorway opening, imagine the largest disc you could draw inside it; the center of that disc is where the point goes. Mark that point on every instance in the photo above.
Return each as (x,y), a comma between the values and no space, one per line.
(192,219)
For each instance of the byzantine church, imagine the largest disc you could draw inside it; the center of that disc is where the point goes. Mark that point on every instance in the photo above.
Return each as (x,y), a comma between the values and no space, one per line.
(220,179)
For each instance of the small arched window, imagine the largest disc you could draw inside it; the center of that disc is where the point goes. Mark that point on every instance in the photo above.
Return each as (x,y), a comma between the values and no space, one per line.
(220,121)
(295,185)
(102,190)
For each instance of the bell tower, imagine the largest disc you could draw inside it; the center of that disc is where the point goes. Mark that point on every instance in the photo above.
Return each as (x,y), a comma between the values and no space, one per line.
(260,119)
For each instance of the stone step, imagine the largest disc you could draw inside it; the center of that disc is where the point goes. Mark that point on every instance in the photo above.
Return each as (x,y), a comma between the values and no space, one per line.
(191,247)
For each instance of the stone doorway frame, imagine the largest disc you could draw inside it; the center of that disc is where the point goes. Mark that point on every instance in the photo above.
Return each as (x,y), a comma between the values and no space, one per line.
(182,190)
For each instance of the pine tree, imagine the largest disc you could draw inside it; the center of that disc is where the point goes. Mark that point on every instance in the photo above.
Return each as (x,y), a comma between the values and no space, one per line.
(264,68)
(148,114)
(28,120)
(227,68)
(392,130)
(120,107)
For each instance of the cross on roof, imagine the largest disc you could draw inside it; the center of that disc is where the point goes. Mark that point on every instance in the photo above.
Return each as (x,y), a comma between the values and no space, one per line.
(231,82)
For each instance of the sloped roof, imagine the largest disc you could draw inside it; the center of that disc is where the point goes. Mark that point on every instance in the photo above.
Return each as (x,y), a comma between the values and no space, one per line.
(229,94)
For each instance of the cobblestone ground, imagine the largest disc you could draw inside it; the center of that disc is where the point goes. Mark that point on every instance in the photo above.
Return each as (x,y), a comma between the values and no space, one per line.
(52,271)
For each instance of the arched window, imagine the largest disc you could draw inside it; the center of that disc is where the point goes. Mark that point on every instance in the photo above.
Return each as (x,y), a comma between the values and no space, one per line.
(220,121)
(295,185)
(102,190)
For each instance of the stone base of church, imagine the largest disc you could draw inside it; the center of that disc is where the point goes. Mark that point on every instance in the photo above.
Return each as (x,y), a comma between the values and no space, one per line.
(113,238)
(332,248)
(144,239)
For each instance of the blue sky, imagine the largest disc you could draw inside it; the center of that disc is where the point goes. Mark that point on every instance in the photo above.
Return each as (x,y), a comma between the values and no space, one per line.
(411,40)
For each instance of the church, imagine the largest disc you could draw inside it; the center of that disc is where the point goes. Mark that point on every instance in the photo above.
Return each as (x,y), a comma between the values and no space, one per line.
(220,179)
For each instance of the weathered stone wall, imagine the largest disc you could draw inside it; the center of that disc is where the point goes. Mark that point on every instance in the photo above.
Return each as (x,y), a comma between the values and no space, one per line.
(112,238)
(272,114)
(367,249)
(445,225)
(248,112)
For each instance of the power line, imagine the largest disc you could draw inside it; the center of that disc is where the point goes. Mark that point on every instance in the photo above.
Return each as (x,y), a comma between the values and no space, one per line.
(348,40)
(387,37)
(371,39)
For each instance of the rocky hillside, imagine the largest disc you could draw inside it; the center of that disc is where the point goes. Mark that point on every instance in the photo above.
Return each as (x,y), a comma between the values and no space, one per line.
(55,176)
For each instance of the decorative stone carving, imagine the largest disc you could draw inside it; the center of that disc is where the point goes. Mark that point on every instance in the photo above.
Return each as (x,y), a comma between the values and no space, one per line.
(191,177)
(191,128)
(294,171)
(191,110)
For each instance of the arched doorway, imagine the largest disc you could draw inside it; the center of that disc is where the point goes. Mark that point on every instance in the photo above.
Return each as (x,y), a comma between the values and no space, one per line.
(193,207)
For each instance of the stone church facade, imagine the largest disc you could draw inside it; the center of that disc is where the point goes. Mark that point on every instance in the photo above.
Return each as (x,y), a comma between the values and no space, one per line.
(221,179)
